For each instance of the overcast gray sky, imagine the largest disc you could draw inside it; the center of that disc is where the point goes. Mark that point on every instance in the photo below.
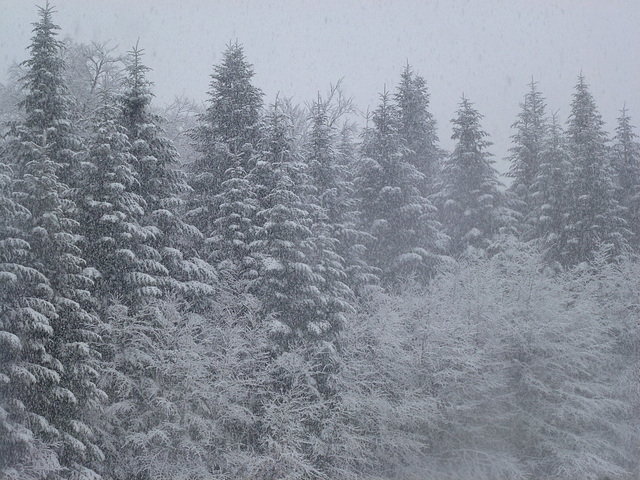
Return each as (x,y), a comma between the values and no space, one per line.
(488,49)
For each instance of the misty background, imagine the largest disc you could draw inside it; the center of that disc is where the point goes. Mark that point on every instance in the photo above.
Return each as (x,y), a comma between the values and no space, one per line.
(202,279)
(490,50)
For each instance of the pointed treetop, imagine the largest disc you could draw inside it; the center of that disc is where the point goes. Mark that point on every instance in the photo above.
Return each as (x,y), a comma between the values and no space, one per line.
(466,128)
(43,83)
(623,112)
(137,80)
(234,102)
(43,41)
(584,115)
(533,88)
(46,13)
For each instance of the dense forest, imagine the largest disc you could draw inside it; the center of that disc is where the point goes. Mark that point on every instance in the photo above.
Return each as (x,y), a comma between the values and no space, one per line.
(251,291)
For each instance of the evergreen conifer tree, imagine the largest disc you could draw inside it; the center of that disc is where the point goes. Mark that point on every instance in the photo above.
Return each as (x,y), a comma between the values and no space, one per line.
(362,277)
(417,127)
(234,226)
(56,390)
(288,285)
(130,279)
(162,185)
(626,171)
(528,143)
(549,195)
(595,217)
(470,203)
(225,138)
(393,208)
(28,373)
(117,244)
(47,100)
(333,212)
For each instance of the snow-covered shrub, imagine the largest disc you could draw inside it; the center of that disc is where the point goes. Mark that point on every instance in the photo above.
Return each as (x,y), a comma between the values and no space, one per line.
(498,370)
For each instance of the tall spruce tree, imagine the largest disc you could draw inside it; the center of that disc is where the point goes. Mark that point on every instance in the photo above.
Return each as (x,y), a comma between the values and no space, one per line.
(528,144)
(469,200)
(135,239)
(162,186)
(301,286)
(47,100)
(417,127)
(225,139)
(549,195)
(406,239)
(117,244)
(288,284)
(626,171)
(362,277)
(28,373)
(125,264)
(333,213)
(234,225)
(54,383)
(595,216)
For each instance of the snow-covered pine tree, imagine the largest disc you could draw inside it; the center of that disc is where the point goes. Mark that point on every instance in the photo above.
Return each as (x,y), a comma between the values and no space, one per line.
(225,138)
(595,216)
(28,373)
(528,143)
(626,171)
(58,388)
(393,208)
(303,297)
(116,242)
(333,213)
(131,280)
(48,101)
(288,284)
(417,127)
(234,225)
(549,195)
(329,155)
(155,159)
(362,277)
(162,185)
(469,201)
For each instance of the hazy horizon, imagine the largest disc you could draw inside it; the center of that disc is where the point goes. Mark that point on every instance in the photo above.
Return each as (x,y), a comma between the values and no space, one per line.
(490,50)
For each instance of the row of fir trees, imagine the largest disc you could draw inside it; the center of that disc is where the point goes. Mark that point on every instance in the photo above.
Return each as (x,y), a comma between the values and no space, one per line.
(169,319)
